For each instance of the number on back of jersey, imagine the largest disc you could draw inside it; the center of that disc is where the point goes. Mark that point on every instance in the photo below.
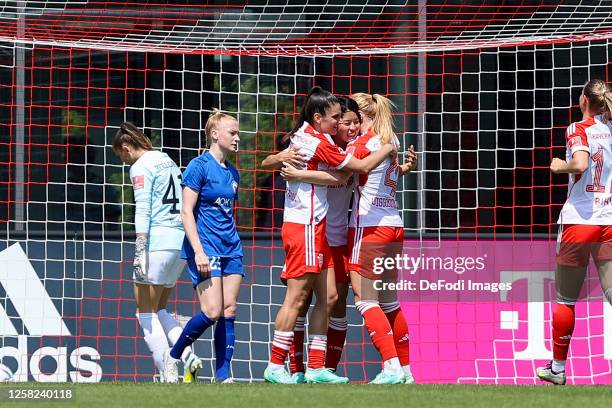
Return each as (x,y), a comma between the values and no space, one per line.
(171,197)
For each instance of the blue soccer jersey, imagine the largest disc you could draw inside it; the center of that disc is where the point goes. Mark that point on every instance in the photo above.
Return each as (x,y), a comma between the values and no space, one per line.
(217,188)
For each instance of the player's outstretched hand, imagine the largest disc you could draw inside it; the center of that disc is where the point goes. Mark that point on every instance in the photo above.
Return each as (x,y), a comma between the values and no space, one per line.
(410,158)
(556,165)
(294,157)
(203,264)
(289,172)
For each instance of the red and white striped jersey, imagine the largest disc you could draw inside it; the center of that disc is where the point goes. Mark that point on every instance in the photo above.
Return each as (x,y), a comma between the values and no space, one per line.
(374,202)
(589,197)
(306,203)
(339,199)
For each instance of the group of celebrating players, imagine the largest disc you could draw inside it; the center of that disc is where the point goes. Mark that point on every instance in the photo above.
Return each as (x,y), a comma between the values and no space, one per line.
(340,149)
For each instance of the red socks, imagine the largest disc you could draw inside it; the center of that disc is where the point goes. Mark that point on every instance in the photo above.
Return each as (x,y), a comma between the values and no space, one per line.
(280,346)
(296,351)
(378,326)
(398,323)
(563,326)
(317,344)
(336,335)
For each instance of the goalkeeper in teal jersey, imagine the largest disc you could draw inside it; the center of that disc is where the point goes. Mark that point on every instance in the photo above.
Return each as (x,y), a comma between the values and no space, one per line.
(212,246)
(159,237)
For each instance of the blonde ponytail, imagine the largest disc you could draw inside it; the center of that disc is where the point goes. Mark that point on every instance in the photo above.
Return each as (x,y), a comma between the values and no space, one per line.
(607,111)
(599,95)
(380,110)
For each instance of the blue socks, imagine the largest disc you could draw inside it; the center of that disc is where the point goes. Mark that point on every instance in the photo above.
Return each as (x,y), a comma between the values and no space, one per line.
(193,329)
(225,339)
(224,347)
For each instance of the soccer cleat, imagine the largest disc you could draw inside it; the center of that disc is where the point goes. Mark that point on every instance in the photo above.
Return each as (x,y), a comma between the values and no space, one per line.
(547,374)
(170,368)
(191,369)
(298,378)
(389,377)
(280,376)
(323,376)
(408,379)
(228,380)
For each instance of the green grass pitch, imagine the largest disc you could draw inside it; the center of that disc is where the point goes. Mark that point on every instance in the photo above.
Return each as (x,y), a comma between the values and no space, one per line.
(149,395)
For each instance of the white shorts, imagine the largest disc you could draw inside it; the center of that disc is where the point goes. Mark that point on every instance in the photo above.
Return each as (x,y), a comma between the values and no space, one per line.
(164,269)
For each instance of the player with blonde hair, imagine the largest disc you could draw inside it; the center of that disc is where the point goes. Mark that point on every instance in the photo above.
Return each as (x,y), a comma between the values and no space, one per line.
(212,246)
(586,217)
(339,192)
(377,230)
(303,232)
(338,195)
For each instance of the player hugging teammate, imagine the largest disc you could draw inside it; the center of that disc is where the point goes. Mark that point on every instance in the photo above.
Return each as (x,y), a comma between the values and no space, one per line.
(334,139)
(316,141)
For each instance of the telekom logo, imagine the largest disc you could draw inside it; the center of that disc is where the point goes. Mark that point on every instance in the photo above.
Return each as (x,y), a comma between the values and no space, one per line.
(536,341)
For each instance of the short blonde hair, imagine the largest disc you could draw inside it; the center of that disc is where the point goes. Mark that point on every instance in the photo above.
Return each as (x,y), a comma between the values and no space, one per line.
(215,118)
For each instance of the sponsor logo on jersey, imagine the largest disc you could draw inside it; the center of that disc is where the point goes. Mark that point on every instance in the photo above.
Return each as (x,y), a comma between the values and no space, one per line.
(138,182)
(290,194)
(574,141)
(297,138)
(224,202)
(600,136)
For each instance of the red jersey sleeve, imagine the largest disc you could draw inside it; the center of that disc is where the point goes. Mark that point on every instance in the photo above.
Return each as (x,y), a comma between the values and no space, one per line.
(359,150)
(576,138)
(332,155)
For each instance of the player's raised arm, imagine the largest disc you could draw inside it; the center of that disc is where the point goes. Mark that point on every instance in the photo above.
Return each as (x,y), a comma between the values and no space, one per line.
(577,164)
(289,155)
(338,159)
(410,161)
(322,177)
(366,165)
